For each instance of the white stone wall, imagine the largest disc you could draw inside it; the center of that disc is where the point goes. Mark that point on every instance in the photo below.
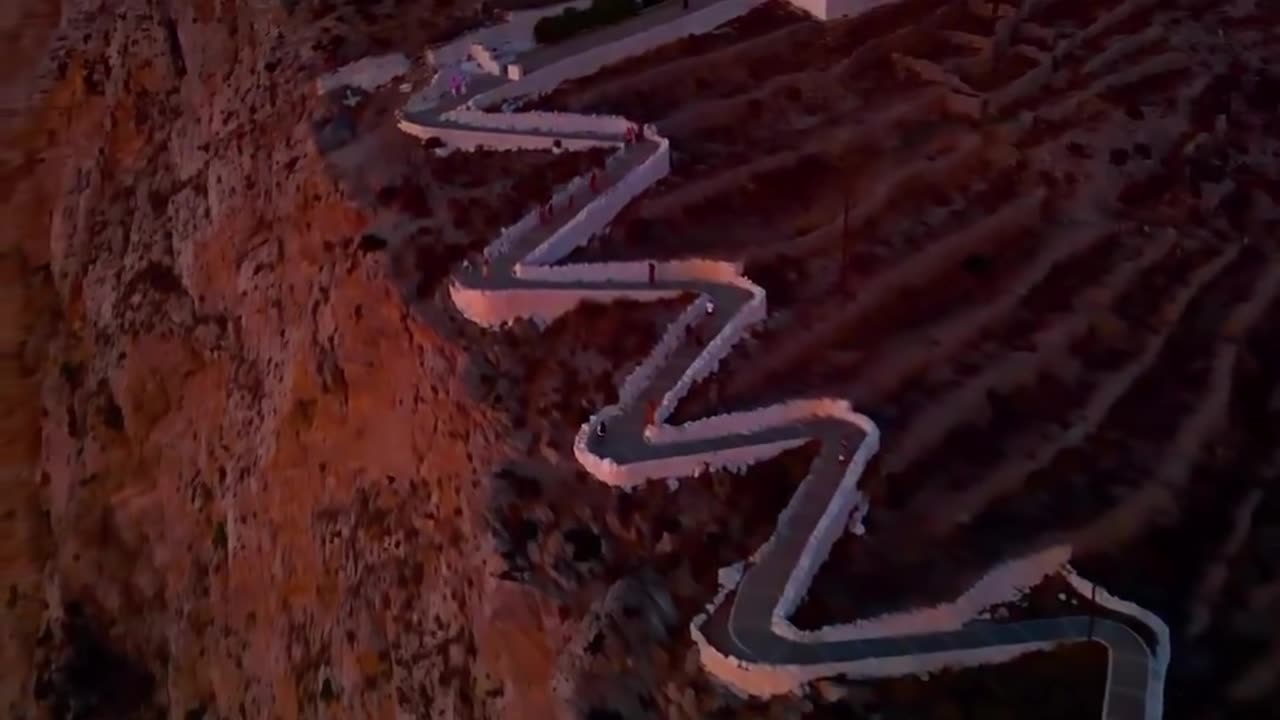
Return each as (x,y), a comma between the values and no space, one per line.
(511,234)
(1002,583)
(495,309)
(764,680)
(832,9)
(752,421)
(543,122)
(587,283)
(709,359)
(484,57)
(816,8)
(848,500)
(603,208)
(515,35)
(1160,654)
(544,79)
(368,73)
(631,475)
(469,139)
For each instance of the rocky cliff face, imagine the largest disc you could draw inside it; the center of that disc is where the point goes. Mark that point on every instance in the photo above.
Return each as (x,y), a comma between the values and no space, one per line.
(238,477)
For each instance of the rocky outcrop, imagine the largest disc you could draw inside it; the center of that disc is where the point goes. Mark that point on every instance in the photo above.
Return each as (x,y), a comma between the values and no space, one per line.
(235,468)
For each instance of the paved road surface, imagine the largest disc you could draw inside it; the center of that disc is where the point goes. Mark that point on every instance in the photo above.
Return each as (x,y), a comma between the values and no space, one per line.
(742,627)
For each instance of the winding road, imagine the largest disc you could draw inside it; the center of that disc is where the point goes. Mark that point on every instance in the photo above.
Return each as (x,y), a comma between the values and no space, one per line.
(744,636)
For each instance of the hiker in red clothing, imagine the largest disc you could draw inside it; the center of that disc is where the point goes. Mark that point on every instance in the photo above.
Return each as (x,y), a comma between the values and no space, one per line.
(651,412)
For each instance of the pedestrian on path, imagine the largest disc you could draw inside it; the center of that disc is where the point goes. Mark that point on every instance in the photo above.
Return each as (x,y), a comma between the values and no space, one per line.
(693,334)
(653,273)
(595,181)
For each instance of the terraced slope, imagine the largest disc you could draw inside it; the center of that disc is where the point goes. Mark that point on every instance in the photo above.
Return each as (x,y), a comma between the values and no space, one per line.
(1022,250)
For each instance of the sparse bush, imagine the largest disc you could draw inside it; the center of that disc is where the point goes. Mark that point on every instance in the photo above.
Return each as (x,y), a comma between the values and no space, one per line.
(557,28)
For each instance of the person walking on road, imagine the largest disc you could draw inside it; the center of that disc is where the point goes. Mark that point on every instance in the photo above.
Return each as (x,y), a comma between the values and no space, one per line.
(653,273)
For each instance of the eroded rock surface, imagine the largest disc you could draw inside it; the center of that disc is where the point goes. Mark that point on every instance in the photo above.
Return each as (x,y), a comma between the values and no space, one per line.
(237,474)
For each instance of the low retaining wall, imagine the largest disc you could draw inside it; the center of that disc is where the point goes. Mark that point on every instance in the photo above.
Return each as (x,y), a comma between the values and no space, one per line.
(834,522)
(601,210)
(493,309)
(832,9)
(735,459)
(1002,583)
(515,34)
(485,58)
(1160,655)
(719,272)
(752,421)
(513,233)
(764,680)
(708,361)
(368,73)
(543,122)
(468,139)
(544,79)
(767,680)
(661,353)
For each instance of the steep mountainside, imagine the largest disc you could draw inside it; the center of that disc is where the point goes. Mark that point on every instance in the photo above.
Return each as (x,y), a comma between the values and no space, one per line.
(238,477)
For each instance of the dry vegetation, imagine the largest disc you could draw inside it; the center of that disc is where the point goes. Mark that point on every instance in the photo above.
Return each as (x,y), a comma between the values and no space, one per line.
(1051,309)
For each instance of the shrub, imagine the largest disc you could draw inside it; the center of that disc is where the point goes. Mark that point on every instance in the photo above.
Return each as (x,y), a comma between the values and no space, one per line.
(556,28)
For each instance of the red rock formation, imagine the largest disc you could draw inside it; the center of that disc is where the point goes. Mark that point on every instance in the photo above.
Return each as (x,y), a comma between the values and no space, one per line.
(233,468)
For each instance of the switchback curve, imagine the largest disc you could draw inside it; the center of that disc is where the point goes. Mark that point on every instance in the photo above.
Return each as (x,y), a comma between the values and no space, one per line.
(744,637)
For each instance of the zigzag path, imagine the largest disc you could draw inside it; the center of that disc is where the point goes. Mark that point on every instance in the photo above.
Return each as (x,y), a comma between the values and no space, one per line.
(745,636)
